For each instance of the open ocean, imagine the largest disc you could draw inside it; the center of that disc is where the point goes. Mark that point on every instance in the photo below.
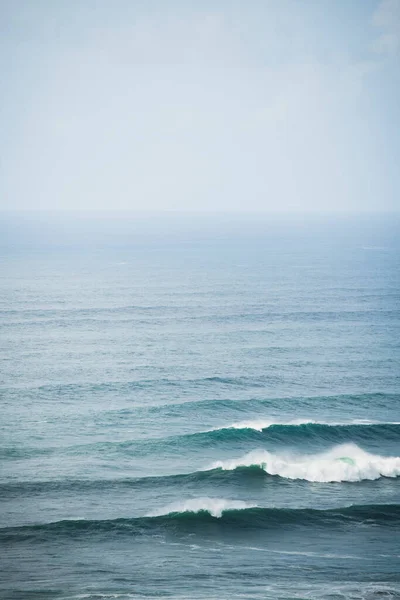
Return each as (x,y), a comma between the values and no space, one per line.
(199,408)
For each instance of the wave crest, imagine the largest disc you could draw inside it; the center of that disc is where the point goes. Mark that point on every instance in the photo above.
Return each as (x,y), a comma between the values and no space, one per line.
(262,424)
(346,462)
(214,506)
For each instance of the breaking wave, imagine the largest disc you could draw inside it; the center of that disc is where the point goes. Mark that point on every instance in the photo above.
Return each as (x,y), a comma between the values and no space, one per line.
(214,506)
(346,462)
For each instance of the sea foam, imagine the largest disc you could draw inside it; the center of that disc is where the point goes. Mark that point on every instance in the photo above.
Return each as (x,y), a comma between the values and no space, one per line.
(346,462)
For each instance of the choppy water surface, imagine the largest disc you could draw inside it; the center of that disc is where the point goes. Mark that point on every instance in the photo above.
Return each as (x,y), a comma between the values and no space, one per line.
(200,412)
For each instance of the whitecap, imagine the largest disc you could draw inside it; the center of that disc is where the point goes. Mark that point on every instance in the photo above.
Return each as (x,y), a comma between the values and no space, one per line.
(214,506)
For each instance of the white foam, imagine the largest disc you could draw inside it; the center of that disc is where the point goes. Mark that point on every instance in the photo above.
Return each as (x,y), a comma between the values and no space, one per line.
(214,506)
(346,462)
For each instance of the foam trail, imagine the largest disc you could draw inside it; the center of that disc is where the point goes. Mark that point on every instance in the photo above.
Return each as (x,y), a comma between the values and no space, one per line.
(346,462)
(214,506)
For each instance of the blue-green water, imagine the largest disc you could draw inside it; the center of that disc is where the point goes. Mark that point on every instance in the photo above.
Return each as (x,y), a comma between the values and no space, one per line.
(206,408)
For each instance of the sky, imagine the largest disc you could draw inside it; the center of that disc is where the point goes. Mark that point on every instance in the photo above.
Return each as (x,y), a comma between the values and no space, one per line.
(207,105)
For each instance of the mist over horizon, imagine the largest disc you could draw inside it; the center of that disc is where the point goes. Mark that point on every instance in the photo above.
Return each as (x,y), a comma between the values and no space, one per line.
(248,232)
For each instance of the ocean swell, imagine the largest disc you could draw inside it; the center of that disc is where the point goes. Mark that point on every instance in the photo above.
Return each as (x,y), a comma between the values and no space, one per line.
(196,515)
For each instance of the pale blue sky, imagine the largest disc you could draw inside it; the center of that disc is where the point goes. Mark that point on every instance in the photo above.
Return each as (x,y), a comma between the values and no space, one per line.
(251,105)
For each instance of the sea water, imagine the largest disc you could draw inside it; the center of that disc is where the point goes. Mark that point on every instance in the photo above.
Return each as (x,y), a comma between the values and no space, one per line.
(199,407)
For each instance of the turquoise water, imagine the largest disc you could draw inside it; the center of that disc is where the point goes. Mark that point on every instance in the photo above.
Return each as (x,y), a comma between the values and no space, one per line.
(199,408)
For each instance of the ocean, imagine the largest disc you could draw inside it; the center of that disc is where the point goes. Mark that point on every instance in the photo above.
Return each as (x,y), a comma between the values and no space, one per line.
(199,407)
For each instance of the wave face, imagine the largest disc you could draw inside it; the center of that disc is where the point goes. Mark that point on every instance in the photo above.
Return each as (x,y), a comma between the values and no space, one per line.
(343,463)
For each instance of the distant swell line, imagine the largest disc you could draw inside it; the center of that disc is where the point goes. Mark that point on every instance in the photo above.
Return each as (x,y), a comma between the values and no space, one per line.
(199,516)
(257,381)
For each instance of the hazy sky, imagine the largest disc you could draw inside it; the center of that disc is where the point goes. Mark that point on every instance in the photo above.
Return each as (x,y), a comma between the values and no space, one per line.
(253,105)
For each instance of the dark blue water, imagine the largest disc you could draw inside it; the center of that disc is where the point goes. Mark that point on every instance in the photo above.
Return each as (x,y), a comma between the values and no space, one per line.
(199,407)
